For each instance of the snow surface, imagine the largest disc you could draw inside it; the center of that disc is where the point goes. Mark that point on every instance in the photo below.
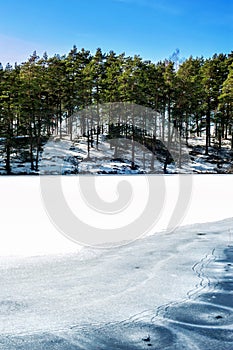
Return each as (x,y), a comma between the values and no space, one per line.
(66,157)
(166,291)
(27,231)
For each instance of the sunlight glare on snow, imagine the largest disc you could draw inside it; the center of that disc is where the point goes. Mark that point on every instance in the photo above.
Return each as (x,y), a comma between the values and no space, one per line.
(26,229)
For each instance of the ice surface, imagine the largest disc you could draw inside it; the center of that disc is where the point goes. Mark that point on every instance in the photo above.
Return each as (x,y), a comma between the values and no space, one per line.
(166,291)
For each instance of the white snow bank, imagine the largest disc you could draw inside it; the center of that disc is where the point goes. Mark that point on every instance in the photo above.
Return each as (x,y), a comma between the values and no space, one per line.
(27,231)
(172,291)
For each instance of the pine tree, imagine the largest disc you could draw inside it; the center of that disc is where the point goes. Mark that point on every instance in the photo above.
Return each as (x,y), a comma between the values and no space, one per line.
(226,101)
(187,107)
(8,109)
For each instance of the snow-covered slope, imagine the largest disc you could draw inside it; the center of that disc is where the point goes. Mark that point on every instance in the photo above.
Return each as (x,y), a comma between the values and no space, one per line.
(66,157)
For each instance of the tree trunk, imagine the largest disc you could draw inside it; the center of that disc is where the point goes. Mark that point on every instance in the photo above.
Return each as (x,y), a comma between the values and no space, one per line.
(231,139)
(88,144)
(38,144)
(180,149)
(186,129)
(133,153)
(152,165)
(8,154)
(60,121)
(219,138)
(163,126)
(169,123)
(197,125)
(207,132)
(226,131)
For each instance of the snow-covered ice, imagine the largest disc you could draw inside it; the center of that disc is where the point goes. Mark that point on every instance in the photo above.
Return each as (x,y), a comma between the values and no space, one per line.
(168,291)
(26,229)
(164,291)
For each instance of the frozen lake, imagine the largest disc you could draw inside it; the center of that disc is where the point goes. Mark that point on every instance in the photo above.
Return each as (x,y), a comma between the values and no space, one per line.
(26,229)
(172,290)
(164,291)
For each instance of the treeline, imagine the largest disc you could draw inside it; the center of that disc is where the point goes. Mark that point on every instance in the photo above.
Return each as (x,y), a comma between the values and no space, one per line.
(195,95)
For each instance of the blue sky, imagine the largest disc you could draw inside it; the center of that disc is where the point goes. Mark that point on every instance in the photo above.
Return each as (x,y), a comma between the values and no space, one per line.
(151,28)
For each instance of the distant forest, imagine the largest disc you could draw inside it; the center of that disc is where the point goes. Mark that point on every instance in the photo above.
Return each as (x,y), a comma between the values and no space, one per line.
(195,95)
